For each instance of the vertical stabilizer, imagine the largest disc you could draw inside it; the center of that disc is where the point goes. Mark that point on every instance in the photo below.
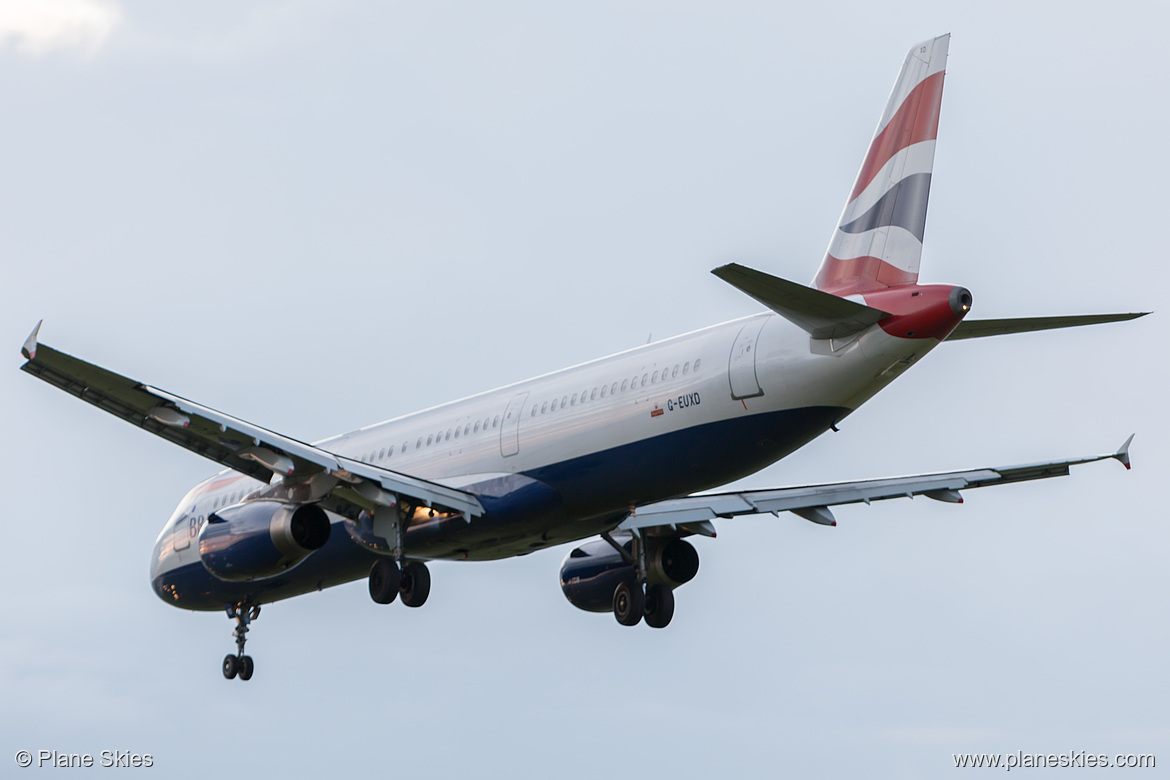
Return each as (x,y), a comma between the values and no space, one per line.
(878,241)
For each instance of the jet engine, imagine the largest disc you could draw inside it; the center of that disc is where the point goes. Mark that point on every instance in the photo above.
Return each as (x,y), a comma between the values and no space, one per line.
(258,539)
(591,573)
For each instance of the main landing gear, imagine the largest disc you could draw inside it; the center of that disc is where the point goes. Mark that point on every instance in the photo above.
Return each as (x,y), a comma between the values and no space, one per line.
(637,600)
(412,581)
(240,664)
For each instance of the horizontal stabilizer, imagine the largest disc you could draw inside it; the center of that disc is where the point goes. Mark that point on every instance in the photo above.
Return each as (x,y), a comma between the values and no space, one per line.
(977,329)
(822,314)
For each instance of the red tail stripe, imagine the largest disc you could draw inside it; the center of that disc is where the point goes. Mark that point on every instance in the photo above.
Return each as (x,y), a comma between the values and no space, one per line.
(915,121)
(859,274)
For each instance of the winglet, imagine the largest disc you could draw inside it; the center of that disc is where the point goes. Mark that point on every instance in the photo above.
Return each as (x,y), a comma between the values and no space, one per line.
(29,350)
(1123,453)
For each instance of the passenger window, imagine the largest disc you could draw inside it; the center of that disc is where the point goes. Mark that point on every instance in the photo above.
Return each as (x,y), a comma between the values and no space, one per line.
(448,435)
(593,395)
(477,426)
(573,402)
(553,407)
(654,378)
(625,384)
(564,402)
(495,421)
(604,391)
(534,410)
(584,395)
(686,368)
(645,379)
(418,445)
(456,433)
(429,440)
(467,429)
(382,454)
(544,407)
(674,373)
(613,390)
(697,362)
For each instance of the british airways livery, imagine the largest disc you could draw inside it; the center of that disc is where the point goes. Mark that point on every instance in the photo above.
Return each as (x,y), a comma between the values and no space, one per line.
(628,448)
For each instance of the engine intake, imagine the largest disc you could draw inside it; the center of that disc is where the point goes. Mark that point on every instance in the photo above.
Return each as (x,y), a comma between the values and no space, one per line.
(258,539)
(672,563)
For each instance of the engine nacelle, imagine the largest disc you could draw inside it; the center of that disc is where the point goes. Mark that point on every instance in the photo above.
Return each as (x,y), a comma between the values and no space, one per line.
(591,573)
(258,539)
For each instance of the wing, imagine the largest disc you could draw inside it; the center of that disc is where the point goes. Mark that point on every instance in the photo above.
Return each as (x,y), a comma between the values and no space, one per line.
(694,513)
(346,485)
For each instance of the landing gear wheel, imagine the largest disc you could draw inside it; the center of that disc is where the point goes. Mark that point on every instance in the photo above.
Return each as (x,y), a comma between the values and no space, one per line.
(415,584)
(629,602)
(384,580)
(246,667)
(229,667)
(659,606)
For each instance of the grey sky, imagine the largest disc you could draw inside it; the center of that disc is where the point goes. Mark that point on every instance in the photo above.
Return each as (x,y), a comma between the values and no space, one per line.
(315,215)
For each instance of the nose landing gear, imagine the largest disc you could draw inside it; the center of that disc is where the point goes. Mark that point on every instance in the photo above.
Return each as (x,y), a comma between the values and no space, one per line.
(240,664)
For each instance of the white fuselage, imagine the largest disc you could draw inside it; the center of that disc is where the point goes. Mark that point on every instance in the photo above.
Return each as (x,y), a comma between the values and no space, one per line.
(661,420)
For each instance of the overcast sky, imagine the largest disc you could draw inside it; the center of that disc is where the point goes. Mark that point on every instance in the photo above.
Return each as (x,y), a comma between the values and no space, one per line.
(315,215)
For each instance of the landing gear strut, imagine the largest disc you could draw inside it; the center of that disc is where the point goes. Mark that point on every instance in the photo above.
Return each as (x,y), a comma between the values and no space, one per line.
(240,664)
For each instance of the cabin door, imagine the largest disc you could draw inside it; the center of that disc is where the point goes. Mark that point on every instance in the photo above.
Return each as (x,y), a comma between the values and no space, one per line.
(510,425)
(741,368)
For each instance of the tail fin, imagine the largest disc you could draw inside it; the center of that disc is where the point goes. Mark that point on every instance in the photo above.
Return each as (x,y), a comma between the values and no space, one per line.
(878,242)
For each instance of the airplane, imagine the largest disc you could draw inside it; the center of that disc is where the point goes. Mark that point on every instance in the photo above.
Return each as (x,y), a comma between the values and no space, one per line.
(628,448)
